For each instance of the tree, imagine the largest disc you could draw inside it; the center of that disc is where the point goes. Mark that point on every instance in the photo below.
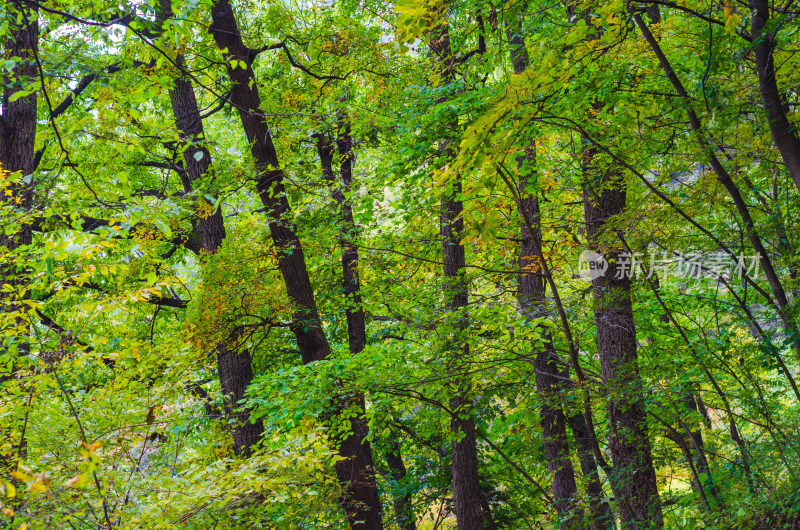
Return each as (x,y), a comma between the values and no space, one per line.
(328,265)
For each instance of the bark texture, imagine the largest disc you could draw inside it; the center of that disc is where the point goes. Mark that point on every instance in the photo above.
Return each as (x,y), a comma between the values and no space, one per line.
(783,134)
(532,302)
(634,479)
(467,495)
(18,135)
(17,139)
(355,471)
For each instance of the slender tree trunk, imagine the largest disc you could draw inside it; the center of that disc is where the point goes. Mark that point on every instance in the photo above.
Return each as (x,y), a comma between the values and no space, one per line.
(634,478)
(693,439)
(355,471)
(467,494)
(17,139)
(532,300)
(356,323)
(783,133)
(403,508)
(600,517)
(234,366)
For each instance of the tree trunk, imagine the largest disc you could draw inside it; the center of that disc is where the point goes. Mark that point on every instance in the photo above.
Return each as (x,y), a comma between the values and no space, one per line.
(17,139)
(634,478)
(783,134)
(467,495)
(355,471)
(600,517)
(532,302)
(403,508)
(233,367)
(356,323)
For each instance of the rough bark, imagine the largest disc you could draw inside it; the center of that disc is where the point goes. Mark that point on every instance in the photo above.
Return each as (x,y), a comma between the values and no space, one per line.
(244,96)
(532,302)
(196,166)
(467,495)
(17,139)
(235,374)
(234,366)
(782,131)
(634,479)
(355,471)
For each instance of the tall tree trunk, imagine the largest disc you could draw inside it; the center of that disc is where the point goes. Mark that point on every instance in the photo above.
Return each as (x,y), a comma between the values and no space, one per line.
(532,302)
(403,507)
(17,139)
(783,133)
(600,516)
(467,496)
(234,366)
(355,471)
(356,323)
(634,478)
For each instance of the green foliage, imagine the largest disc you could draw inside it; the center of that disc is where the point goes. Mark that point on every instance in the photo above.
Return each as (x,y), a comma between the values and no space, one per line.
(111,408)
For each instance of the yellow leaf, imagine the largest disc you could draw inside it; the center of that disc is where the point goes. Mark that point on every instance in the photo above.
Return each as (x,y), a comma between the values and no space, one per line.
(37,486)
(10,490)
(8,512)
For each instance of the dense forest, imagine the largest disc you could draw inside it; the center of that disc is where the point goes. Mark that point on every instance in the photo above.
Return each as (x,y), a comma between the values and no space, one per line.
(424,264)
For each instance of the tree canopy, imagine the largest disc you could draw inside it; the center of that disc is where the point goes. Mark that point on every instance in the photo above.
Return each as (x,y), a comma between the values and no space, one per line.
(424,264)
